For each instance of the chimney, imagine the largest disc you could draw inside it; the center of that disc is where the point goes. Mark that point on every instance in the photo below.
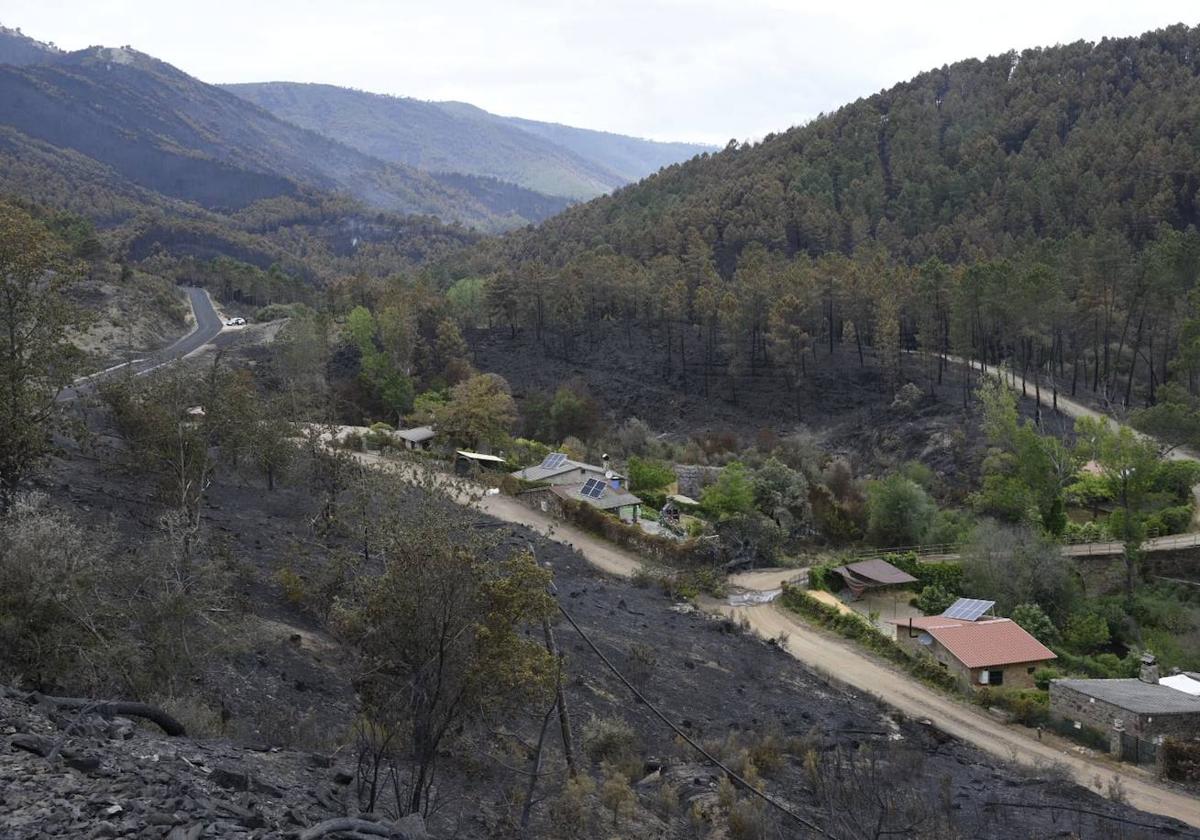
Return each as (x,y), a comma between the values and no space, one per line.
(1149,671)
(609,476)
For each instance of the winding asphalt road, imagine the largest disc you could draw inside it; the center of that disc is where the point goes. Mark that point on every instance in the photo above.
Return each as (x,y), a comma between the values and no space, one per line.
(208,326)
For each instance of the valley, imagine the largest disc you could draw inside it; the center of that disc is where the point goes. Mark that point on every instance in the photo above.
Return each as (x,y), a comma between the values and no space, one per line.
(375,466)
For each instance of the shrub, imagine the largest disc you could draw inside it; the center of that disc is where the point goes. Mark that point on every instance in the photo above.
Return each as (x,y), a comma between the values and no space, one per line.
(946,575)
(1042,677)
(934,599)
(823,577)
(609,739)
(294,590)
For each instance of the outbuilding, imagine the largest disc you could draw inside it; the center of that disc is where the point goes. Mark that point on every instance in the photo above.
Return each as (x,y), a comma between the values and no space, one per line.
(417,439)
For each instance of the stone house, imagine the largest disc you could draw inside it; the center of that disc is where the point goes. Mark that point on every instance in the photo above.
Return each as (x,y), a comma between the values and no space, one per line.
(593,492)
(1135,714)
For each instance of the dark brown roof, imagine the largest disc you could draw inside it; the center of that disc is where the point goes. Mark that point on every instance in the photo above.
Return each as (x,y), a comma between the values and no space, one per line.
(874,573)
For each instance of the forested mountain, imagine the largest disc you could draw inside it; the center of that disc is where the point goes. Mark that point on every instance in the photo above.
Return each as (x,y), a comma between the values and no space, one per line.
(1035,207)
(148,124)
(460,138)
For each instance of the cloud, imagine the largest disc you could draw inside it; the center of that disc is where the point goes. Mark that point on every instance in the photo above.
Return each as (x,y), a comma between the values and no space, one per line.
(702,70)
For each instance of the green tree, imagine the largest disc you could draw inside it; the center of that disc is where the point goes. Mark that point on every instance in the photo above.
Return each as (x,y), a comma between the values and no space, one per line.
(899,511)
(37,359)
(648,474)
(731,494)
(782,494)
(442,635)
(480,411)
(1129,463)
(1086,632)
(1035,622)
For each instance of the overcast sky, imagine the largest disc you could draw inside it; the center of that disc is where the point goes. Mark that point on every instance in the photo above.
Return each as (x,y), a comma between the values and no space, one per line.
(706,71)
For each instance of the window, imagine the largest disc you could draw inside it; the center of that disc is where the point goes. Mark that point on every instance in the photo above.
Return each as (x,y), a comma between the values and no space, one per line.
(995,678)
(1030,670)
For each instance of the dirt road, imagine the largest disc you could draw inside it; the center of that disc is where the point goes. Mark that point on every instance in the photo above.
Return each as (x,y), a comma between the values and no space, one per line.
(831,656)
(843,662)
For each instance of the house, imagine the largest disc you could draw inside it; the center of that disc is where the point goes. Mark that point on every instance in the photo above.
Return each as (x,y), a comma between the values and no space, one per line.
(872,574)
(982,652)
(609,497)
(601,494)
(1135,713)
(418,439)
(557,468)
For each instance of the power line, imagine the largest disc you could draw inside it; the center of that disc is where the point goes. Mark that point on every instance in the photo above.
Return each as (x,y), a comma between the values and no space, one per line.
(796,817)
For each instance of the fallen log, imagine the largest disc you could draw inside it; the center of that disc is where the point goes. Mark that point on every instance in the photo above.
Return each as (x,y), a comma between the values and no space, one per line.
(351,825)
(114,708)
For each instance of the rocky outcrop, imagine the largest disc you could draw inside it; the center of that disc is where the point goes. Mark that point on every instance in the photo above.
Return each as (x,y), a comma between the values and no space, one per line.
(84,775)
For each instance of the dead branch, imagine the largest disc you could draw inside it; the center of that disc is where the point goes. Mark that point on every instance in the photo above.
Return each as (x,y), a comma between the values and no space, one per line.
(114,708)
(353,825)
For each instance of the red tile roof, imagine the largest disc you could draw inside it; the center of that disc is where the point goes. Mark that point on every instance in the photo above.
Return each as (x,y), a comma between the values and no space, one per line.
(924,622)
(982,644)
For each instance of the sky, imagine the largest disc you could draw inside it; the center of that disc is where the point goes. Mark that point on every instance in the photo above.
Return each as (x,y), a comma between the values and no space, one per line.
(704,70)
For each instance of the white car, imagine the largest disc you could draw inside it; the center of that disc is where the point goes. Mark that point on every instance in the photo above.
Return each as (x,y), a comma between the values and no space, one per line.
(235,322)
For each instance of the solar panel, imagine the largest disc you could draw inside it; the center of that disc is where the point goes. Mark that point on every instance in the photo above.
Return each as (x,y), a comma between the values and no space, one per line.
(554,460)
(593,488)
(968,609)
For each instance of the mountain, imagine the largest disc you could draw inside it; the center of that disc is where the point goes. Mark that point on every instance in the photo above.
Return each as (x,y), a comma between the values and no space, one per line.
(456,137)
(18,48)
(982,157)
(153,126)
(629,158)
(1037,209)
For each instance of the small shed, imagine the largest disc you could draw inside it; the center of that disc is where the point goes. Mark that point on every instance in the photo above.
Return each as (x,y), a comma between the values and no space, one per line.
(417,439)
(873,574)
(472,463)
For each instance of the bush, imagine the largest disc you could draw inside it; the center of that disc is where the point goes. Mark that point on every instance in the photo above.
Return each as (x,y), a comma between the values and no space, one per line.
(935,600)
(823,577)
(1085,632)
(1172,520)
(275,311)
(1028,706)
(1042,677)
(946,575)
(609,739)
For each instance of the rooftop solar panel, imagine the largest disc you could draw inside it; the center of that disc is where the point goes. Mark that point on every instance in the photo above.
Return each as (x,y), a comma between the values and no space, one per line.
(554,460)
(968,609)
(592,488)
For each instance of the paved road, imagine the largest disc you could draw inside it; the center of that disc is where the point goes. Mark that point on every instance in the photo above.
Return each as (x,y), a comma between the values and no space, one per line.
(208,325)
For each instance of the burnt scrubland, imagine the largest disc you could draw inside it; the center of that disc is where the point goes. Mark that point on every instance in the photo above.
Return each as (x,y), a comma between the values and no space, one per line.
(270,692)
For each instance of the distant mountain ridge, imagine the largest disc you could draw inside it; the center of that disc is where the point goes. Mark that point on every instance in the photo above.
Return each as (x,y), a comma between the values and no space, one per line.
(153,125)
(556,160)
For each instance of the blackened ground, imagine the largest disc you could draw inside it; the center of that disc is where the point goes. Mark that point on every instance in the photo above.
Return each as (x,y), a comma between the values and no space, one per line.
(289,683)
